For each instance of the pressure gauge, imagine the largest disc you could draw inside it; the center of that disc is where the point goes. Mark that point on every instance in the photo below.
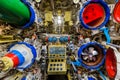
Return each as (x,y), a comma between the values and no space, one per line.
(76,1)
(38,0)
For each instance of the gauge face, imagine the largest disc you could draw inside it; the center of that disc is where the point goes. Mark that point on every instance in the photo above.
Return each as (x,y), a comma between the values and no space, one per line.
(57,50)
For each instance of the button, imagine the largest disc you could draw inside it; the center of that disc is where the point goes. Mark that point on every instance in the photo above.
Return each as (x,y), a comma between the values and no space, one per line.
(53,69)
(61,69)
(57,69)
(50,69)
(60,64)
(57,64)
(52,60)
(50,64)
(54,64)
(58,60)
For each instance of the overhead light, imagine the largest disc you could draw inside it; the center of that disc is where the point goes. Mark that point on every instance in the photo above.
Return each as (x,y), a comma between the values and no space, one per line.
(38,0)
(76,1)
(59,20)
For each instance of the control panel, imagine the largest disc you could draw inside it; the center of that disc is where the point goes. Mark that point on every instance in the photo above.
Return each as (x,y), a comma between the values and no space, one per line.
(57,59)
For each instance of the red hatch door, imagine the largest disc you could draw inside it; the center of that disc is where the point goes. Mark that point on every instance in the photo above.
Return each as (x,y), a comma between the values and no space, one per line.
(92,12)
(111,63)
(116,12)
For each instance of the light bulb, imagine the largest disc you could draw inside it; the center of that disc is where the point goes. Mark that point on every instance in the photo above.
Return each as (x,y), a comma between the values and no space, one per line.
(76,1)
(38,0)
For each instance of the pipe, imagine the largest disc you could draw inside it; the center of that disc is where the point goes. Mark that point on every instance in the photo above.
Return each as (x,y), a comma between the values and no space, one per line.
(102,75)
(52,4)
(106,33)
(75,69)
(91,78)
(17,12)
(114,45)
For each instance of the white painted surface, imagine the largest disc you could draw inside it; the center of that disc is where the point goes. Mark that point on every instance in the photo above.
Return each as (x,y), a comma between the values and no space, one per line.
(26,52)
